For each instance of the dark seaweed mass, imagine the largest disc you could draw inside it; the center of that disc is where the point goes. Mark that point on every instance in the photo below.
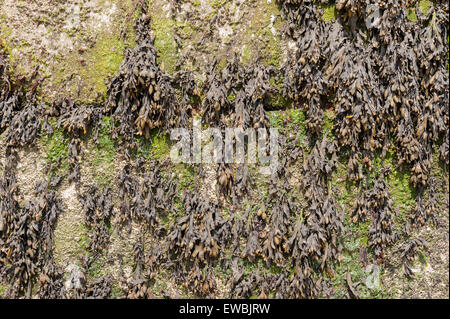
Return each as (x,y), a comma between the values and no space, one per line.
(385,78)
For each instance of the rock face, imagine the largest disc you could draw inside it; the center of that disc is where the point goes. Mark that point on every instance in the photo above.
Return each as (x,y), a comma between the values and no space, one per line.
(76,44)
(72,49)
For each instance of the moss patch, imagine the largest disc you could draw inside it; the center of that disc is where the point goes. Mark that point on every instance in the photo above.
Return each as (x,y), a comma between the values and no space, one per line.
(104,60)
(402,191)
(425,6)
(277,101)
(328,124)
(5,34)
(246,56)
(262,36)
(71,239)
(56,149)
(164,40)
(158,147)
(330,13)
(94,66)
(104,155)
(411,14)
(292,120)
(399,181)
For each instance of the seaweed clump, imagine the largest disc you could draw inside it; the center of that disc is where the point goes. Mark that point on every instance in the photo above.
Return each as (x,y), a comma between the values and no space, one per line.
(141,97)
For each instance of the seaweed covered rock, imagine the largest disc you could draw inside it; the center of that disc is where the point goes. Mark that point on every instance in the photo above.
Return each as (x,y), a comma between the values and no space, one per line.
(141,96)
